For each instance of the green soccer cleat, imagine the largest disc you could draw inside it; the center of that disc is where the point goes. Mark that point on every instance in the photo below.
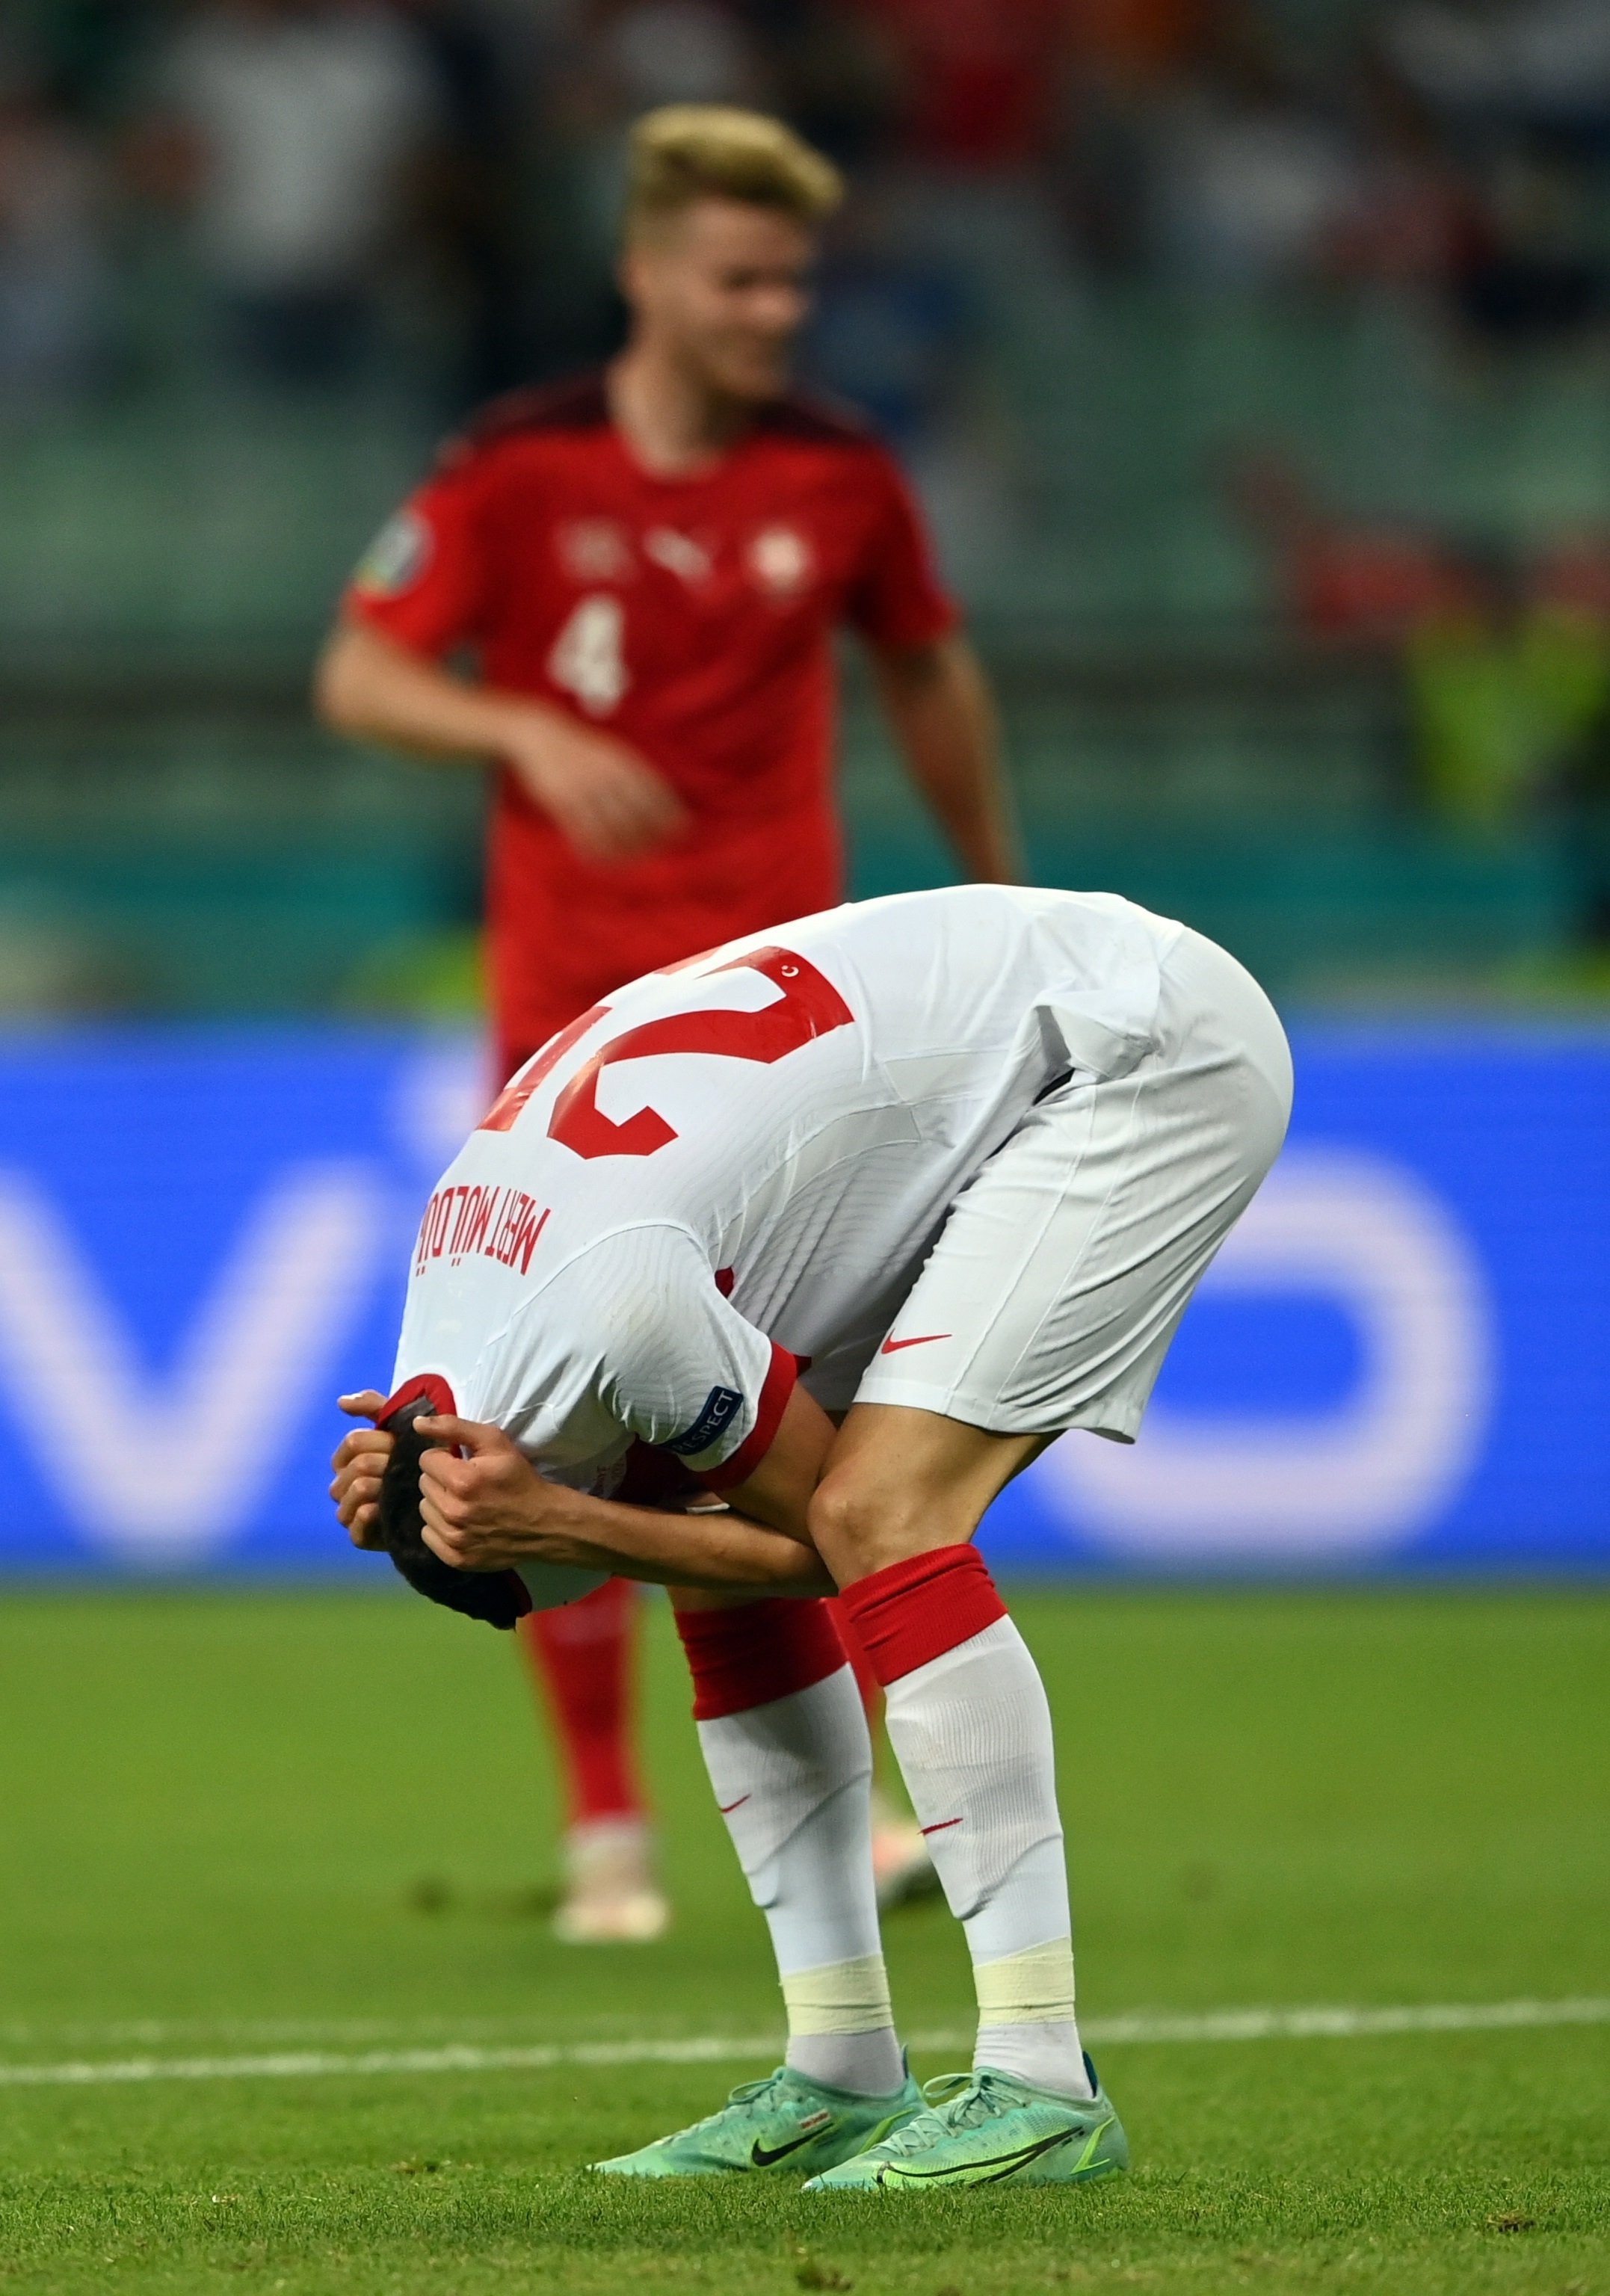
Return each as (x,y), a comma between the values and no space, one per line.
(989,2129)
(784,2121)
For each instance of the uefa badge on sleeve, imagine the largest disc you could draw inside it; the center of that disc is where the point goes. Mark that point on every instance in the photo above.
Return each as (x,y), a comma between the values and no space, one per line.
(396,558)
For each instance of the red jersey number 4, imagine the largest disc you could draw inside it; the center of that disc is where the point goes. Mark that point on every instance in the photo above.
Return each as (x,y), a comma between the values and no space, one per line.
(810,1006)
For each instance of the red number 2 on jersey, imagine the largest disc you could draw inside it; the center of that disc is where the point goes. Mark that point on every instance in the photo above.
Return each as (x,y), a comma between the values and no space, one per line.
(810,1006)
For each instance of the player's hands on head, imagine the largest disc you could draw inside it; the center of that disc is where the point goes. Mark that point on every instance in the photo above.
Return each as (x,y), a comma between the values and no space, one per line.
(359,1461)
(490,1510)
(609,802)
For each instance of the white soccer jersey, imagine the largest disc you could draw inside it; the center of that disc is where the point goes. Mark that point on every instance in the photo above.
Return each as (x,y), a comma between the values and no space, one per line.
(734,1172)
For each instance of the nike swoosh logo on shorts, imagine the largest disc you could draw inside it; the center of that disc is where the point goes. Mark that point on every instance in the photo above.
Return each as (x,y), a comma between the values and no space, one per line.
(893,1347)
(727,1807)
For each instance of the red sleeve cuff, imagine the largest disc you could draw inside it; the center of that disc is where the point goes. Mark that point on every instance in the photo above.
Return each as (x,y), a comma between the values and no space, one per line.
(779,1385)
(415,632)
(430,1384)
(905,632)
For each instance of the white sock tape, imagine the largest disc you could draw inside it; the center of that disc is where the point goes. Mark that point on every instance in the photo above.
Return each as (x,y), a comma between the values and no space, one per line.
(841,1997)
(1032,1988)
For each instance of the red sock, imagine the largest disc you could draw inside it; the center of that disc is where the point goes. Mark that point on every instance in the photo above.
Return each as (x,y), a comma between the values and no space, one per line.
(866,1681)
(748,1655)
(915,1610)
(581,1657)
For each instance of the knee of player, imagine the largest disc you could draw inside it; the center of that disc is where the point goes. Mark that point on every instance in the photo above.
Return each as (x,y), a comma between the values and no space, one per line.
(859,1528)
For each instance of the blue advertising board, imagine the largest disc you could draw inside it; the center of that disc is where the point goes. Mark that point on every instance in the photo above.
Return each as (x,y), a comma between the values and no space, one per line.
(1400,1359)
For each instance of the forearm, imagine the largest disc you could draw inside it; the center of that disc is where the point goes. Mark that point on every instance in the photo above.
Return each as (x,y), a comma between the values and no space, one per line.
(719,1549)
(368,686)
(601,795)
(940,708)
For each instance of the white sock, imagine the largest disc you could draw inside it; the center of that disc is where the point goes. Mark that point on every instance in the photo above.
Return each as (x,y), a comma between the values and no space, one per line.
(1026,2024)
(972,1733)
(792,1779)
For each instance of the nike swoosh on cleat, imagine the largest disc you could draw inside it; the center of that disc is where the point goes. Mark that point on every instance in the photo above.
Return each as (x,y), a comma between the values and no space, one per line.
(1003,2165)
(893,1347)
(762,2156)
(727,1807)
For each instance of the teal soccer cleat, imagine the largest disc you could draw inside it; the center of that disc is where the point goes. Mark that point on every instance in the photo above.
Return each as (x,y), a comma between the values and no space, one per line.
(784,2121)
(989,2129)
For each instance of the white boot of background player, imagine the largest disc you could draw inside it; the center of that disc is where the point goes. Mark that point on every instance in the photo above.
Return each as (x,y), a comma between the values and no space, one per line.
(611,1889)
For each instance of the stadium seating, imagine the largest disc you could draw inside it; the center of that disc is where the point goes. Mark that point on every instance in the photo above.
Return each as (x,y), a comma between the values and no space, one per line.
(165,566)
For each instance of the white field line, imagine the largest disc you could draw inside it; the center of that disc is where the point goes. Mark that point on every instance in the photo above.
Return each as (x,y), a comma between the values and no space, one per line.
(1216,2025)
(1346,2024)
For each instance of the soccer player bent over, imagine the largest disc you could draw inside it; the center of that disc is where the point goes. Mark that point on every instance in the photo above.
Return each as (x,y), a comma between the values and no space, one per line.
(650,564)
(948,1165)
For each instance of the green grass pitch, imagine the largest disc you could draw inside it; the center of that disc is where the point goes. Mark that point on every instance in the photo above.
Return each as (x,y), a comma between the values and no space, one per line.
(251,1822)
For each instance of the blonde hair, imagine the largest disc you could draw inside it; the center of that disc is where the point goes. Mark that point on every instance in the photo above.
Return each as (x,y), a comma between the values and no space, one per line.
(689,151)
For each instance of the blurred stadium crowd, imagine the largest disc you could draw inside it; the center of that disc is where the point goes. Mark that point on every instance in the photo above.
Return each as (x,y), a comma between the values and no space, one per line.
(434,176)
(1252,357)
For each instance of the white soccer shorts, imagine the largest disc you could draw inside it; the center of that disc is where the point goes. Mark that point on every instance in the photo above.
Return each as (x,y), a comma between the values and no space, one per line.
(1061,1272)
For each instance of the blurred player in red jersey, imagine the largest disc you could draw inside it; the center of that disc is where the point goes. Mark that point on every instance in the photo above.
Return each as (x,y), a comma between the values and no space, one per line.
(648,566)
